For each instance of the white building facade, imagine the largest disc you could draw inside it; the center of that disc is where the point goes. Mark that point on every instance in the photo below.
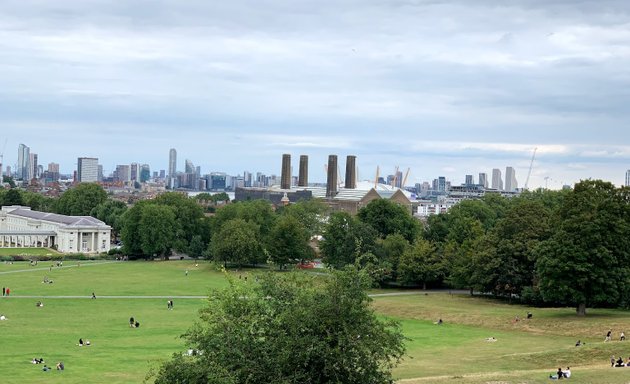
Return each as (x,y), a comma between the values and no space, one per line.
(20,227)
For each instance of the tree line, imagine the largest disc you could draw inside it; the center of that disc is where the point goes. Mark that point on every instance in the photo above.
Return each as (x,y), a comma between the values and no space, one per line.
(568,247)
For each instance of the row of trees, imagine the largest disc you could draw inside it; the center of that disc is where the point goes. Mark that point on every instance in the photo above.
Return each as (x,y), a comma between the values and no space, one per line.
(568,247)
(561,247)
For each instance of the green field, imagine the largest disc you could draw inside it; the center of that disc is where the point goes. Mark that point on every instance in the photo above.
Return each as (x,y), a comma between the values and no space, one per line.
(455,352)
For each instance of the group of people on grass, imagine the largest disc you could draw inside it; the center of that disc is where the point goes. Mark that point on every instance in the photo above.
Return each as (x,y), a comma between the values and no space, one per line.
(622,336)
(133,323)
(60,366)
(619,362)
(87,343)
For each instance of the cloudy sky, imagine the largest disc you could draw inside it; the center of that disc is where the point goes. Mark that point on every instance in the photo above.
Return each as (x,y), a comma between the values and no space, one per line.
(445,88)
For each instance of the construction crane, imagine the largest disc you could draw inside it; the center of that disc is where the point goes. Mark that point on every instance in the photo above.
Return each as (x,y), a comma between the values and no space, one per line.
(531,165)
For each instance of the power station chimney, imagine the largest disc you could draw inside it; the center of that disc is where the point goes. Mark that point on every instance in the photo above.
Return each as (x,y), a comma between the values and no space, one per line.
(285,177)
(303,176)
(351,172)
(331,181)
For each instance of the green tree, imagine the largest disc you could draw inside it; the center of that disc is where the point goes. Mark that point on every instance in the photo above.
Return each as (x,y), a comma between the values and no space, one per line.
(110,212)
(38,202)
(13,197)
(156,229)
(9,180)
(344,239)
(238,242)
(130,232)
(188,216)
(389,251)
(291,328)
(258,212)
(81,199)
(587,261)
(420,264)
(387,218)
(288,242)
(196,247)
(310,213)
(513,243)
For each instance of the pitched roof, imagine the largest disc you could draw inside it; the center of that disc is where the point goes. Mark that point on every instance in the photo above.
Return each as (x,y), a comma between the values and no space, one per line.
(71,221)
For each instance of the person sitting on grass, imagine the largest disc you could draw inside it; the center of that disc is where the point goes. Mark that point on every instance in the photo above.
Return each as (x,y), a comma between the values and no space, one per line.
(558,376)
(39,304)
(136,325)
(46,368)
(491,339)
(60,366)
(578,343)
(87,343)
(567,373)
(620,362)
(80,342)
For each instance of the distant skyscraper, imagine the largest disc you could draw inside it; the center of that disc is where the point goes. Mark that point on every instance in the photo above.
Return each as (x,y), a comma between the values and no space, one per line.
(510,179)
(87,170)
(32,166)
(497,182)
(135,172)
(162,174)
(469,180)
(628,178)
(172,167)
(145,173)
(442,184)
(123,173)
(24,159)
(483,179)
(189,167)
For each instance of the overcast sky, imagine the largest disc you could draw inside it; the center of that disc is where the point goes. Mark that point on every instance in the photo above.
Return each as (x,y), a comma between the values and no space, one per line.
(446,88)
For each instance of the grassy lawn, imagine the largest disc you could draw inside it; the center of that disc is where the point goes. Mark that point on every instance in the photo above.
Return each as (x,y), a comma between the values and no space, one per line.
(27,252)
(454,352)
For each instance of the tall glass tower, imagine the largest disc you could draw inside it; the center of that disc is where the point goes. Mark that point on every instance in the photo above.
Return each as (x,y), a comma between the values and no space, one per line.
(172,167)
(24,162)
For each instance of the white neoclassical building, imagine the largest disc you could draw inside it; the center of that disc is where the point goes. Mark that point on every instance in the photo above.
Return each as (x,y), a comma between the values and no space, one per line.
(22,227)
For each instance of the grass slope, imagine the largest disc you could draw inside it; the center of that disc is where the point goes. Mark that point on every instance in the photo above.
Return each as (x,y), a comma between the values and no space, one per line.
(455,352)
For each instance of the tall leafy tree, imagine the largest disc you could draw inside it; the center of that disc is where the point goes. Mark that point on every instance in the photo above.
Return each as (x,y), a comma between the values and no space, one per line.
(13,197)
(310,213)
(420,264)
(110,212)
(387,218)
(345,238)
(238,242)
(288,242)
(290,328)
(81,199)
(188,215)
(587,261)
(513,243)
(156,229)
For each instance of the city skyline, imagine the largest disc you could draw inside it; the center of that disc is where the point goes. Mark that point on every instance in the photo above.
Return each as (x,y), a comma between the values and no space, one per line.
(444,88)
